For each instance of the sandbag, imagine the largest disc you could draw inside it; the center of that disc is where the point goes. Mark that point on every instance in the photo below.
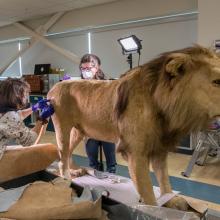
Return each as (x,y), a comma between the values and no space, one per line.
(21,161)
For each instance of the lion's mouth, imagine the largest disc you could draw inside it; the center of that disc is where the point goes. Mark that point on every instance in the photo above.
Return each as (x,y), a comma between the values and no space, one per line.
(216,117)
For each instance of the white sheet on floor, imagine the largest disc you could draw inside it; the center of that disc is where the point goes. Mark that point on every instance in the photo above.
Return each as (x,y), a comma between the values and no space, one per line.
(120,189)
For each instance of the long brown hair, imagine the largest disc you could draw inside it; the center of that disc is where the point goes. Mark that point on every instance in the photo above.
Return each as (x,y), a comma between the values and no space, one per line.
(92,58)
(12,94)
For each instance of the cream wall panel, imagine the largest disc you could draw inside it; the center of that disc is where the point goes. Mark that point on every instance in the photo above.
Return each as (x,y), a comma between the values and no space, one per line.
(40,54)
(208,22)
(156,39)
(122,11)
(6,52)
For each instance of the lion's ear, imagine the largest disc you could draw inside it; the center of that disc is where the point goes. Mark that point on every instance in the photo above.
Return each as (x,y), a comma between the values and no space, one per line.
(176,64)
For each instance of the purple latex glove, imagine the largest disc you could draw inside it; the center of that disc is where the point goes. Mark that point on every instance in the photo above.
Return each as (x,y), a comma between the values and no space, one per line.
(40,105)
(66,77)
(46,112)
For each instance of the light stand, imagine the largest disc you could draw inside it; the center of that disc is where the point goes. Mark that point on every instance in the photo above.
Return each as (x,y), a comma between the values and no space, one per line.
(129,46)
(130,61)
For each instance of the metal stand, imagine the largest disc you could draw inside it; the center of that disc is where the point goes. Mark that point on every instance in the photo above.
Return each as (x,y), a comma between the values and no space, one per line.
(130,61)
(204,137)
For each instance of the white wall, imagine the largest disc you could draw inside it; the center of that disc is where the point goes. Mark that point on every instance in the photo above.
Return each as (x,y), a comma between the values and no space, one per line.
(155,40)
(40,54)
(208,22)
(6,52)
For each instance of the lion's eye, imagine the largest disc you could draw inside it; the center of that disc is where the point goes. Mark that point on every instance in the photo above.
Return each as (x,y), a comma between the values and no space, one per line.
(216,82)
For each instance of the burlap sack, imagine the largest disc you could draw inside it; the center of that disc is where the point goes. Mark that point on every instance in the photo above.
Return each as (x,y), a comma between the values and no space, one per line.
(42,200)
(22,161)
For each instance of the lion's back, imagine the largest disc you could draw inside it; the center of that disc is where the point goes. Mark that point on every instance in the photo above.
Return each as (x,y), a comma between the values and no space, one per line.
(66,88)
(83,94)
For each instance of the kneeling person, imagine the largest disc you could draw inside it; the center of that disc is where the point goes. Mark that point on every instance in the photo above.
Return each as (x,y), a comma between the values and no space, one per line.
(16,160)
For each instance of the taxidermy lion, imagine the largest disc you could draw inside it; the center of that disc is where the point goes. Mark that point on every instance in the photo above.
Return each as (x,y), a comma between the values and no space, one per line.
(146,113)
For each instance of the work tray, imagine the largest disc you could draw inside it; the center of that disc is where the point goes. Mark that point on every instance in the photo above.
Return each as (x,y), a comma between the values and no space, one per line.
(115,209)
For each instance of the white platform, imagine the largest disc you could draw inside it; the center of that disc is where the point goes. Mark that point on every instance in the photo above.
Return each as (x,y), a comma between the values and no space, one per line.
(122,191)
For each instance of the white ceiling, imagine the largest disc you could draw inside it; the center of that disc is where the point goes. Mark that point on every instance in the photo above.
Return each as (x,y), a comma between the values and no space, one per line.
(21,10)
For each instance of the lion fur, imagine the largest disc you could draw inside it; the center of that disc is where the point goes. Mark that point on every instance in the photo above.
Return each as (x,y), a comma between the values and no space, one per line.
(145,112)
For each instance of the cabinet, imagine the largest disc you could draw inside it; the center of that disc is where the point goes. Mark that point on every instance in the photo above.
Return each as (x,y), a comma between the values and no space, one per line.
(186,145)
(30,120)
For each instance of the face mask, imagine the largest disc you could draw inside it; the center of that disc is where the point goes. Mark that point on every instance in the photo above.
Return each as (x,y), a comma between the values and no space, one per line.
(87,74)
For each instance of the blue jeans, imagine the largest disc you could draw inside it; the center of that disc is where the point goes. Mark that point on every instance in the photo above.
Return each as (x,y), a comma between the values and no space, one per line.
(92,150)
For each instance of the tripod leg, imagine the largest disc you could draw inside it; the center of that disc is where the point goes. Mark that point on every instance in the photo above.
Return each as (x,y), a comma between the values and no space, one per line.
(193,160)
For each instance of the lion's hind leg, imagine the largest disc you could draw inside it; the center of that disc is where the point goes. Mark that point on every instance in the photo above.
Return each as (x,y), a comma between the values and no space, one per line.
(75,137)
(62,137)
(67,138)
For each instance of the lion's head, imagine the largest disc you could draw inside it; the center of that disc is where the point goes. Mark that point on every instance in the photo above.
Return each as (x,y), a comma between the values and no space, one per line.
(185,85)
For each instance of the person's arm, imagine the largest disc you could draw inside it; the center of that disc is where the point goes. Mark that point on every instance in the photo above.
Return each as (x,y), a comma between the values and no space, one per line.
(15,129)
(40,129)
(37,127)
(25,113)
(40,105)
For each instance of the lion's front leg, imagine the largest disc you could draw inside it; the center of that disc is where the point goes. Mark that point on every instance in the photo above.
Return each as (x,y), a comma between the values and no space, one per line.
(138,165)
(159,164)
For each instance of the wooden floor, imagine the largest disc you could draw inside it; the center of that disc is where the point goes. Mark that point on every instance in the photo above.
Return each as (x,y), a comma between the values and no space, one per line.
(210,173)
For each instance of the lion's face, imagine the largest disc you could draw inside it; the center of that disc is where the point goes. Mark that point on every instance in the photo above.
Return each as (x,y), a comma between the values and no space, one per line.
(205,87)
(189,86)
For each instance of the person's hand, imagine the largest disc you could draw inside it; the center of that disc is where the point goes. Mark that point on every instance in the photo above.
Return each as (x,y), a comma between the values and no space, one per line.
(66,77)
(46,112)
(40,105)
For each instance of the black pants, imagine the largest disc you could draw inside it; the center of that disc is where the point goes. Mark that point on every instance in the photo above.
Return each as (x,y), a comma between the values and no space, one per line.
(92,150)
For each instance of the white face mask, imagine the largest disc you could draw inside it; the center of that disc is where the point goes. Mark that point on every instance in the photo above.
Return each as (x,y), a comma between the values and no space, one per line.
(87,74)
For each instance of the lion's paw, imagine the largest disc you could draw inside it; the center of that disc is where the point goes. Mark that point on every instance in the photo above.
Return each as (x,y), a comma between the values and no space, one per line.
(65,173)
(78,172)
(177,203)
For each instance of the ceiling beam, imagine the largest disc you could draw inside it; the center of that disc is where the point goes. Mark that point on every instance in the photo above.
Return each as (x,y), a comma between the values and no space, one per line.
(69,55)
(42,29)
